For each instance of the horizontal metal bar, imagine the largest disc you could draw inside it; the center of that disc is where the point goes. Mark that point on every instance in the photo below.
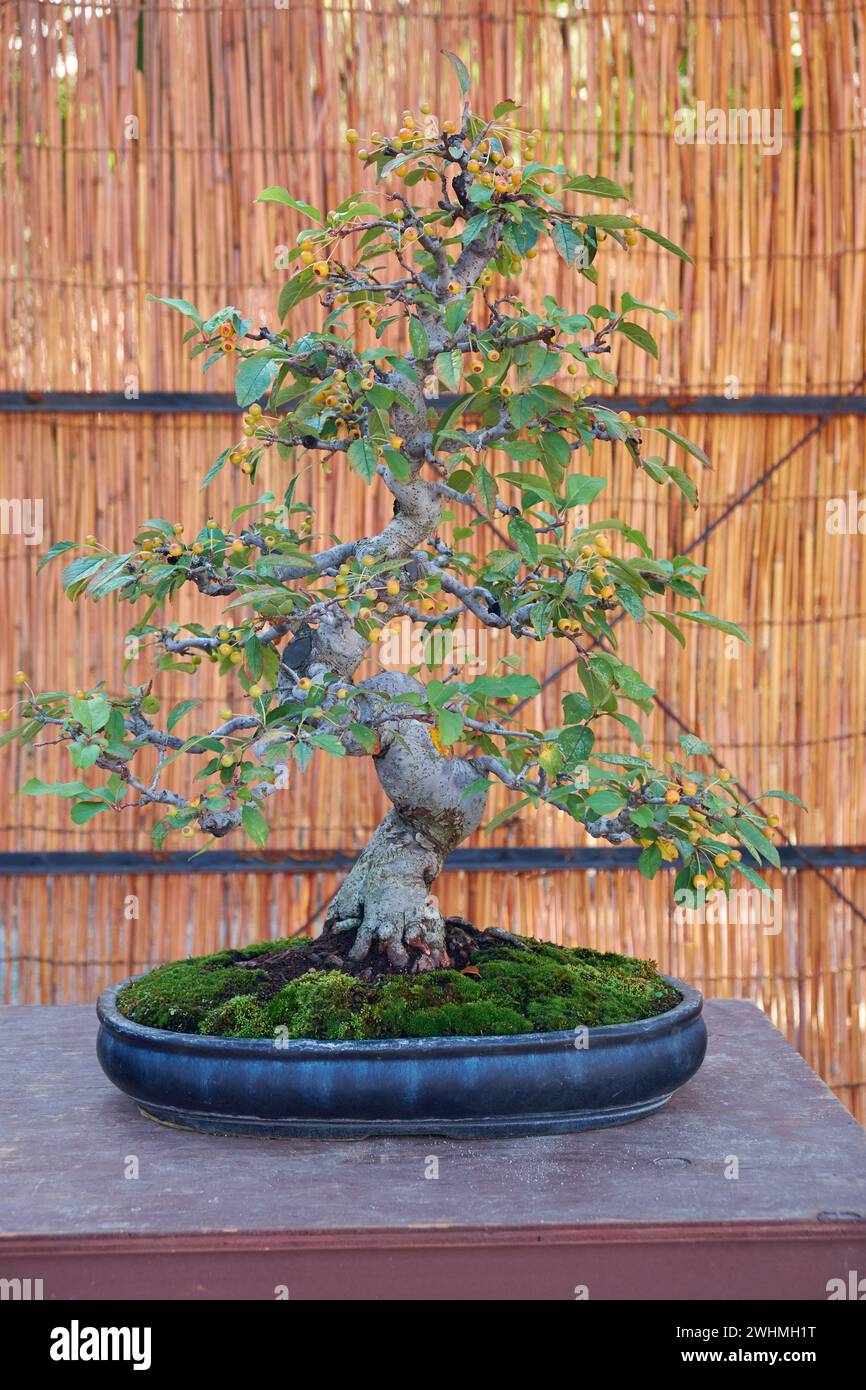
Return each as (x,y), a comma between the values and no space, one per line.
(28,864)
(222,403)
(116,403)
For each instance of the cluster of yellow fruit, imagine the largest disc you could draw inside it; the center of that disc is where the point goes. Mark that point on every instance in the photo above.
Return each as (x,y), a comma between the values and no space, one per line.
(340,691)
(20,679)
(314,246)
(717,859)
(411,135)
(596,553)
(255,423)
(494,159)
(630,235)
(482,361)
(159,548)
(156,548)
(228,645)
(227,337)
(373,593)
(498,169)
(336,395)
(640,422)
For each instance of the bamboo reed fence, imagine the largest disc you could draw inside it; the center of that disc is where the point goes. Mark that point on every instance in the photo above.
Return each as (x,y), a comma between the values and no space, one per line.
(133,140)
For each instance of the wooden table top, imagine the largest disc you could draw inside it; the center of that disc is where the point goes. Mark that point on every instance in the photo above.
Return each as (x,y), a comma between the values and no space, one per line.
(68,1140)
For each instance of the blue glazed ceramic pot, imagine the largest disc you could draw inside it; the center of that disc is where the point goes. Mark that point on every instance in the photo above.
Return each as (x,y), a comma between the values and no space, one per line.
(533,1083)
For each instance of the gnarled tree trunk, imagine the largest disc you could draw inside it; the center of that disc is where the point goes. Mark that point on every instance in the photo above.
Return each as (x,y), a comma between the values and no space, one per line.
(387,896)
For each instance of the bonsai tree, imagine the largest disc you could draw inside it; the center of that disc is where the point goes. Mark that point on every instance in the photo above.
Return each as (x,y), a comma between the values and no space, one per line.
(459,376)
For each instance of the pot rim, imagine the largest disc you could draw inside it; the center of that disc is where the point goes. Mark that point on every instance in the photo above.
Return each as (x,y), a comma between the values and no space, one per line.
(306,1049)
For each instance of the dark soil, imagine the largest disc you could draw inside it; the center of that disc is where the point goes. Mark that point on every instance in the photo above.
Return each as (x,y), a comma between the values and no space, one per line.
(331,952)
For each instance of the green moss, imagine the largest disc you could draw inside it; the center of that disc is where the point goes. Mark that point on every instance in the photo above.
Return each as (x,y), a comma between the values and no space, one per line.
(545,988)
(177,996)
(557,987)
(323,1004)
(239,1017)
(482,1018)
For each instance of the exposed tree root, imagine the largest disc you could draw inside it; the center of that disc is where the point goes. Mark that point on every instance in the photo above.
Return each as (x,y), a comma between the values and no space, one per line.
(335,950)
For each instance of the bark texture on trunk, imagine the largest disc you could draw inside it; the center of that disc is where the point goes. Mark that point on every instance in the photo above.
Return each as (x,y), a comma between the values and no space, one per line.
(386,897)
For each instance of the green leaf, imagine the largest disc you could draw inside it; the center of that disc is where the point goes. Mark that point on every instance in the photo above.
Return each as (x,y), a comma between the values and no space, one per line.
(640,337)
(556,455)
(418,338)
(456,314)
(669,626)
(566,241)
(216,467)
(577,741)
(631,602)
(521,409)
(83,811)
(449,365)
(58,548)
(452,413)
(254,377)
(280,195)
(183,306)
(302,753)
(255,826)
(523,536)
(693,746)
(367,738)
(684,483)
(632,685)
(83,755)
(35,787)
(531,482)
(694,449)
(598,187)
(92,714)
(507,813)
(595,683)
(650,861)
(437,693)
(758,841)
(450,725)
(608,221)
(476,224)
(782,796)
(576,707)
(159,833)
(581,489)
(487,492)
(330,743)
(748,872)
(709,620)
(398,463)
(80,569)
(663,241)
(461,70)
(629,302)
(177,712)
(500,687)
(604,803)
(300,287)
(362,457)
